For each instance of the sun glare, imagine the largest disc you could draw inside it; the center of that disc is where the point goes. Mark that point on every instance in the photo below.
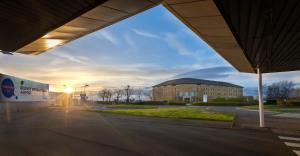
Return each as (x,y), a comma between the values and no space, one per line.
(68,90)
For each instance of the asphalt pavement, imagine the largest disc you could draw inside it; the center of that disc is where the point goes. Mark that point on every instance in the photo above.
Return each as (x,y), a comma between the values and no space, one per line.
(276,121)
(70,133)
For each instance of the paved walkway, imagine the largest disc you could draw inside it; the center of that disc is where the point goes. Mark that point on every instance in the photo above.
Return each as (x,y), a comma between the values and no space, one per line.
(287,123)
(292,142)
(289,115)
(71,133)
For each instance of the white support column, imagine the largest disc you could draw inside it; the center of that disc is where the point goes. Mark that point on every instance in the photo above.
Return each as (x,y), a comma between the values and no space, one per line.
(260,99)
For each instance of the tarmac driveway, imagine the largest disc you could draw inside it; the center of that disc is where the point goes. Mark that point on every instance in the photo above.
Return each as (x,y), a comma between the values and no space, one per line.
(70,133)
(244,118)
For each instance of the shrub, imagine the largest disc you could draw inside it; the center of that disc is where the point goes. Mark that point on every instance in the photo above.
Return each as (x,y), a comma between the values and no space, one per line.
(151,103)
(288,103)
(176,103)
(103,102)
(159,103)
(271,102)
(222,103)
(232,99)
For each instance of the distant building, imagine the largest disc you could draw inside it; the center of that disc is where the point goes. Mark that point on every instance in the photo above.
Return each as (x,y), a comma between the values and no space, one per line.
(193,90)
(295,93)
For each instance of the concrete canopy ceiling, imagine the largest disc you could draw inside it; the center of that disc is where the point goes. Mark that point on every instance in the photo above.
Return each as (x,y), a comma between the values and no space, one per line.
(267,31)
(249,34)
(204,18)
(33,26)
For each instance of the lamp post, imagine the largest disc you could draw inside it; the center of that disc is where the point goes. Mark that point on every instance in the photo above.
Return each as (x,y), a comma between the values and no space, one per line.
(260,99)
(86,85)
(83,94)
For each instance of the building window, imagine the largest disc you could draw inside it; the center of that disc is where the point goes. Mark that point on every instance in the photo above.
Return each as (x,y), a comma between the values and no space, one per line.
(186,93)
(180,94)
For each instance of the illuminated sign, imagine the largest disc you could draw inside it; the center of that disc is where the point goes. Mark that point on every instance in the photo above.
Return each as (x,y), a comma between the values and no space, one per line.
(8,88)
(25,90)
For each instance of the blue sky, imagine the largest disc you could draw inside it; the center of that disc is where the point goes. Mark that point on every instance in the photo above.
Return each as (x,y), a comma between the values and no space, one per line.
(142,50)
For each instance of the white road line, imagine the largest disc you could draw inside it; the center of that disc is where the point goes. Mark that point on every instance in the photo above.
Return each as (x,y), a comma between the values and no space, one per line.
(289,115)
(289,138)
(292,144)
(297,152)
(251,110)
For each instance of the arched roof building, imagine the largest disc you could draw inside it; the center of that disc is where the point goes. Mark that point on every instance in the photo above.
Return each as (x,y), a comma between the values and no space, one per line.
(193,90)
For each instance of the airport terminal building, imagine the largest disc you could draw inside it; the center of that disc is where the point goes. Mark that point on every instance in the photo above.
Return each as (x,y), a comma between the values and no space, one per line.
(194,90)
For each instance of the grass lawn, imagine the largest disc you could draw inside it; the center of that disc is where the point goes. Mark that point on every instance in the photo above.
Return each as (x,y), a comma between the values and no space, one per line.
(276,108)
(132,106)
(180,113)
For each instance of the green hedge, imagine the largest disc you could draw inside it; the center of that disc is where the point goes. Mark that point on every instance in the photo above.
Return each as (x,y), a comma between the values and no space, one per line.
(288,103)
(222,104)
(222,101)
(160,103)
(176,103)
(226,100)
(151,103)
(271,102)
(104,102)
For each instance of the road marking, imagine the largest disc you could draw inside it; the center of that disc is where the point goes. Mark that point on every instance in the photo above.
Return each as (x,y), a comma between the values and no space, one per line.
(297,152)
(289,138)
(250,110)
(292,144)
(289,115)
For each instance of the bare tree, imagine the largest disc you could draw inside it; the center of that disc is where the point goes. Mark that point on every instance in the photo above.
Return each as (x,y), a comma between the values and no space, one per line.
(108,95)
(280,90)
(118,95)
(139,93)
(128,93)
(102,94)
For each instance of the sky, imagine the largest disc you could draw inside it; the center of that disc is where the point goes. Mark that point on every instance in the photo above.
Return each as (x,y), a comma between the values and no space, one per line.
(140,51)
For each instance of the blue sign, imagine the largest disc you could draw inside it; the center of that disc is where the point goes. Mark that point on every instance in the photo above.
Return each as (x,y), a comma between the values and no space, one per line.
(8,88)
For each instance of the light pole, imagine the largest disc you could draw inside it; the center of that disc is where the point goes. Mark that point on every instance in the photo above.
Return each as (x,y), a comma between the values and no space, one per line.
(86,85)
(260,99)
(83,95)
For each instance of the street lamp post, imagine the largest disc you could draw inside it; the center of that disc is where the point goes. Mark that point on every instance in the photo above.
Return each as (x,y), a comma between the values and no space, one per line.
(260,99)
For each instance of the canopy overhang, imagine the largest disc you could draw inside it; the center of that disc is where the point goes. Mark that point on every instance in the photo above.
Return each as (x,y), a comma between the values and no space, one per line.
(204,18)
(249,34)
(33,27)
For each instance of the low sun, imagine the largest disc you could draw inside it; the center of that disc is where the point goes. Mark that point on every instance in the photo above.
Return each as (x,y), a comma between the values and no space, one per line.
(68,90)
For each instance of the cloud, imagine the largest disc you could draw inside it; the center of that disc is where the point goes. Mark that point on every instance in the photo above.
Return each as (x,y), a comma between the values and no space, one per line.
(145,34)
(73,58)
(72,70)
(130,41)
(208,73)
(107,35)
(275,77)
(198,51)
(172,41)
(221,73)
